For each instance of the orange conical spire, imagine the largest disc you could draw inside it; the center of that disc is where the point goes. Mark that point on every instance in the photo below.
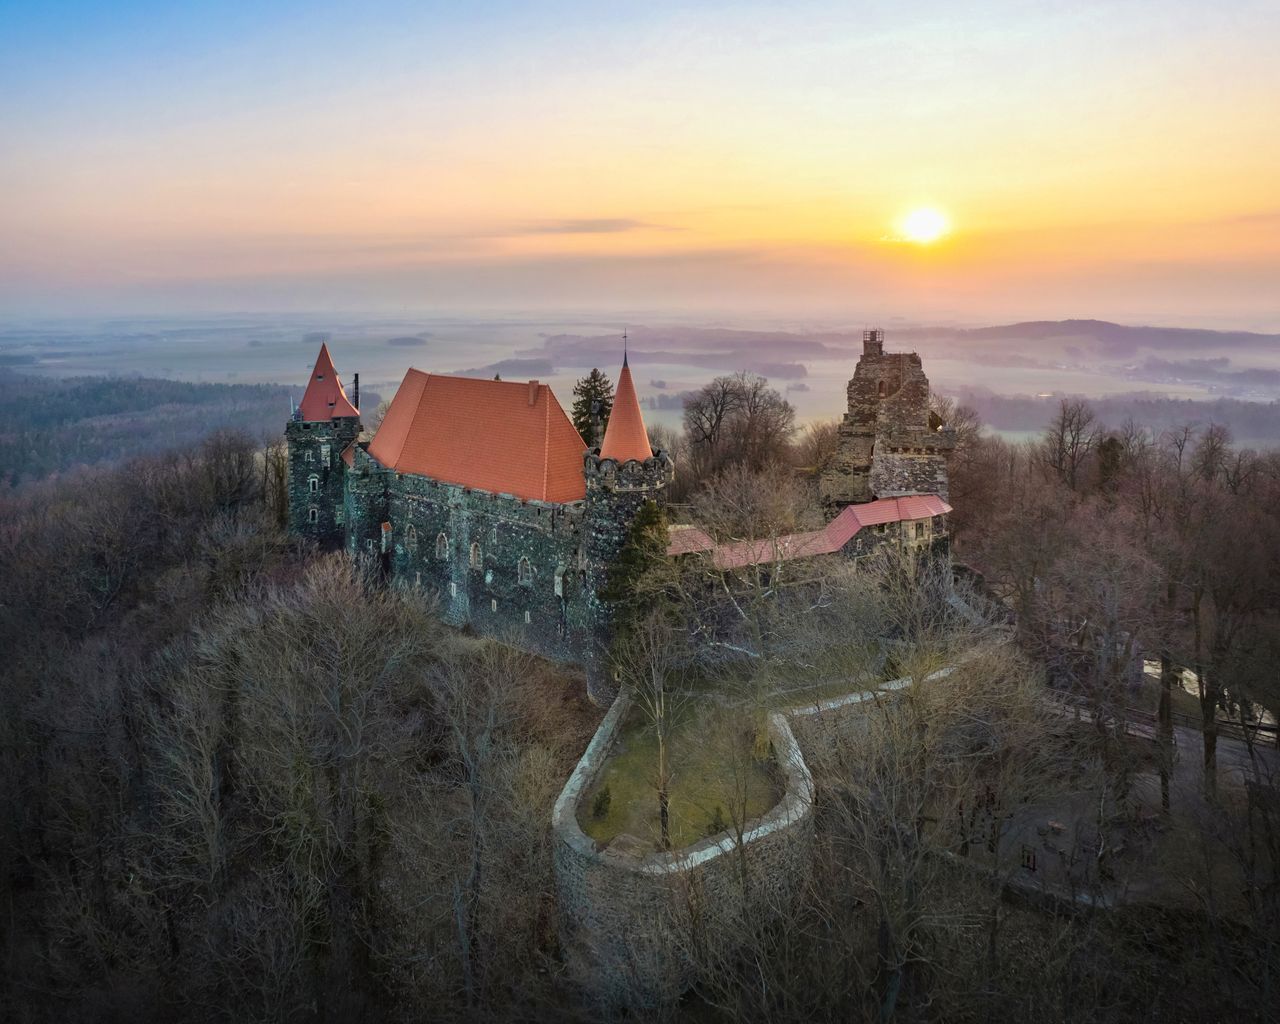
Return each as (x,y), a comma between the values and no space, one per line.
(324,398)
(625,437)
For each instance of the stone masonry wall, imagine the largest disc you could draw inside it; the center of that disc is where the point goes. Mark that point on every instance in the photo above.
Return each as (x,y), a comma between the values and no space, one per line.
(316,473)
(467,547)
(887,446)
(627,922)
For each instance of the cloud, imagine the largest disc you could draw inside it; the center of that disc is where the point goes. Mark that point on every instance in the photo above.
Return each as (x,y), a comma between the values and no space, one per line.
(407,341)
(585,226)
(316,337)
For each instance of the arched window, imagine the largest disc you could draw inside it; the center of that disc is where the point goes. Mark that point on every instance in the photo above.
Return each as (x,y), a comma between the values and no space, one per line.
(313,484)
(442,546)
(524,571)
(476,558)
(881,389)
(313,515)
(411,538)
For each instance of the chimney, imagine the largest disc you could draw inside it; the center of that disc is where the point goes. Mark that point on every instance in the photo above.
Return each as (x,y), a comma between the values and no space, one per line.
(533,392)
(355,391)
(873,342)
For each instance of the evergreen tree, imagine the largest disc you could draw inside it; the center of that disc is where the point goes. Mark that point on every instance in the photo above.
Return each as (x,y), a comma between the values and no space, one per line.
(588,416)
(635,579)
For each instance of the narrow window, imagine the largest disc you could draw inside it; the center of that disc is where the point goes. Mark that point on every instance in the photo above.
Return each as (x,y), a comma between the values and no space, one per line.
(368,544)
(493,534)
(476,558)
(880,390)
(919,530)
(309,457)
(313,515)
(493,604)
(524,571)
(442,546)
(313,484)
(411,538)
(417,579)
(527,619)
(453,590)
(1028,858)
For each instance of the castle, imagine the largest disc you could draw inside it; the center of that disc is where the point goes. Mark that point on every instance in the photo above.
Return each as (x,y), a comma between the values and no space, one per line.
(484,493)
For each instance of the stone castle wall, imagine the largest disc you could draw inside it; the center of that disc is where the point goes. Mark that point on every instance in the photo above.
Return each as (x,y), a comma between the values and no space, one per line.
(627,922)
(316,477)
(615,495)
(506,567)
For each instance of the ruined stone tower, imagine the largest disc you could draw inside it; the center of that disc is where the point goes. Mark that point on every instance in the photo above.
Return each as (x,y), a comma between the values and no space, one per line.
(890,444)
(621,476)
(323,426)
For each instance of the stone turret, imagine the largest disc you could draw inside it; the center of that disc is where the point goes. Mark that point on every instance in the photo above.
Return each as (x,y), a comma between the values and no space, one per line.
(621,476)
(890,444)
(324,425)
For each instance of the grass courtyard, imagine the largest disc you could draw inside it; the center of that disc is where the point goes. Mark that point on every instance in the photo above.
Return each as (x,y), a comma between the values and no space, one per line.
(715,777)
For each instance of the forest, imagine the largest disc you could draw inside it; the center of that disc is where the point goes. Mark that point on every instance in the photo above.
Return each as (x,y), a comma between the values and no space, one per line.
(242,779)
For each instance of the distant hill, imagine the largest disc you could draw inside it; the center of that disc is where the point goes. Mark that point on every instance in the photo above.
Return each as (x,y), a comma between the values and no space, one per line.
(1108,338)
(51,425)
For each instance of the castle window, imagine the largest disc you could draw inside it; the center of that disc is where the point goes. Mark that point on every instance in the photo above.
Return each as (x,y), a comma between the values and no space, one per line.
(453,590)
(493,535)
(493,604)
(442,546)
(881,390)
(313,484)
(527,618)
(476,557)
(919,531)
(313,515)
(309,457)
(368,544)
(417,579)
(411,538)
(524,572)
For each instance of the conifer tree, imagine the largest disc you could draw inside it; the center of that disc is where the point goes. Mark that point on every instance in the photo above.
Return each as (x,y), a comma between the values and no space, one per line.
(644,552)
(590,418)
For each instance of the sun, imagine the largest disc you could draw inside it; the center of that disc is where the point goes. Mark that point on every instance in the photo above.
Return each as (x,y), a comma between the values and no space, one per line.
(924,225)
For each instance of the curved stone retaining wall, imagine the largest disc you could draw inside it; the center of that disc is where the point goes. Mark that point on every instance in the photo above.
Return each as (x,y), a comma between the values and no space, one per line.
(630,924)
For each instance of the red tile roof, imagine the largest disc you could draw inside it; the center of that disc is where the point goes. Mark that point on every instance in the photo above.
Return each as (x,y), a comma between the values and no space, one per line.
(324,398)
(625,437)
(684,540)
(509,437)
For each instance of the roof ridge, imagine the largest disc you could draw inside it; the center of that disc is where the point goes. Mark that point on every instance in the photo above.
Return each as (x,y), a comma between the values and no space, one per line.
(546,439)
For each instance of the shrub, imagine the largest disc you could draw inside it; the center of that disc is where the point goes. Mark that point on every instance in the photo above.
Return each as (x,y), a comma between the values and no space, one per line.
(600,804)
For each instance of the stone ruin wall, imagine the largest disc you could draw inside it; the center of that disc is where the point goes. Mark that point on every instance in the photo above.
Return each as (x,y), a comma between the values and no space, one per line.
(887,447)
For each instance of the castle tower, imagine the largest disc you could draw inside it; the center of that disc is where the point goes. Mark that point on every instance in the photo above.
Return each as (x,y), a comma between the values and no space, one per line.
(324,425)
(890,444)
(621,476)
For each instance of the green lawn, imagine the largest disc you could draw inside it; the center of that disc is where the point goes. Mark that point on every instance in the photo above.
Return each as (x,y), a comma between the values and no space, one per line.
(713,768)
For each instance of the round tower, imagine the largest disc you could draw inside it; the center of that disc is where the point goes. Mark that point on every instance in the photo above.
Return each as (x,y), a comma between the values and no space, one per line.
(323,426)
(621,475)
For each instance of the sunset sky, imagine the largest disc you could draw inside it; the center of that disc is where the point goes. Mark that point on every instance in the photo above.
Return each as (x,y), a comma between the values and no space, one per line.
(1117,160)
